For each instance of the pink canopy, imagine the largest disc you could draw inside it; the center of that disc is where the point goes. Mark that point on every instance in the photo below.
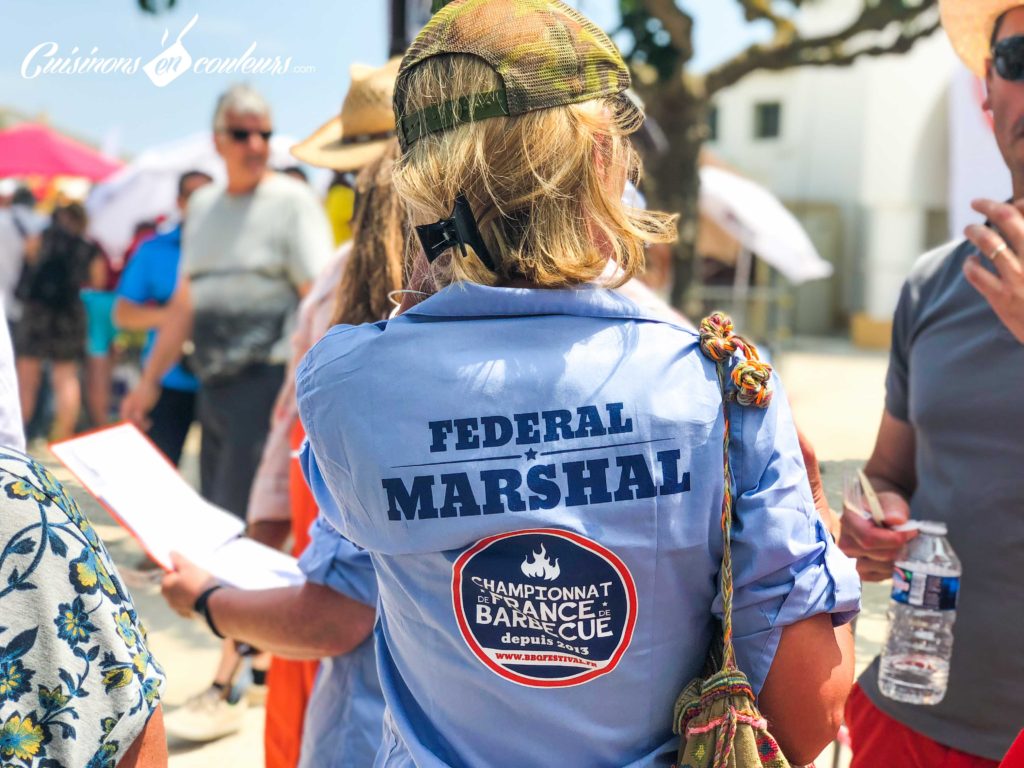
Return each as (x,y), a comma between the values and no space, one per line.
(35,150)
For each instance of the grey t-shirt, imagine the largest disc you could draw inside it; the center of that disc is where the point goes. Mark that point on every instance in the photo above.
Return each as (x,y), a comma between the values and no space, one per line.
(955,375)
(246,256)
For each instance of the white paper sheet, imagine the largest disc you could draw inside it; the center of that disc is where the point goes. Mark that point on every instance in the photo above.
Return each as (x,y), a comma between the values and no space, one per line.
(149,498)
(247,564)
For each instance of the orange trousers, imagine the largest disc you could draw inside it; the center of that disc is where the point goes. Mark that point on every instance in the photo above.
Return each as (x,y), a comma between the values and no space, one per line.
(290,683)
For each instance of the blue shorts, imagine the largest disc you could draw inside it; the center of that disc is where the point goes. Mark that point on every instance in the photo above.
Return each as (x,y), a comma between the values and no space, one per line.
(99,315)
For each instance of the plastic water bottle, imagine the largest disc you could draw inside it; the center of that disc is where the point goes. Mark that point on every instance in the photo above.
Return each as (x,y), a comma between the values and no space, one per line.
(925,585)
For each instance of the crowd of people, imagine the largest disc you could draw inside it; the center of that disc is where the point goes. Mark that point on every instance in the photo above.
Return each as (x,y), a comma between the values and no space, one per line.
(529,499)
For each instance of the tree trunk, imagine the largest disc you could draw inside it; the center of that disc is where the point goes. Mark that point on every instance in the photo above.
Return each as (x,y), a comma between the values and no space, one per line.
(398,28)
(672,180)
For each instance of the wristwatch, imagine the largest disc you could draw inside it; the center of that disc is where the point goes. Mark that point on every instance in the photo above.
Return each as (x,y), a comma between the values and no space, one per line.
(202,605)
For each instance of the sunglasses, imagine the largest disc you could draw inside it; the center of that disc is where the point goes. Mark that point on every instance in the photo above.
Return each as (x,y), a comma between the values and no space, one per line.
(242,135)
(1008,58)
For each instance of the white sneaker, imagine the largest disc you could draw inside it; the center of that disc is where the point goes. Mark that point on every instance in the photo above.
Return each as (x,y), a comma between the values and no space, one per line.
(206,716)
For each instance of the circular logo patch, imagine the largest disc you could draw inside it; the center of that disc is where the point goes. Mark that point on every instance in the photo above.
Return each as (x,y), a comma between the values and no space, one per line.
(544,607)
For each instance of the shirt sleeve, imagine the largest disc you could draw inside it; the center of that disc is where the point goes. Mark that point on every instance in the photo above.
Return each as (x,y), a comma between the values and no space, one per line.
(898,375)
(333,561)
(77,679)
(318,486)
(785,566)
(132,285)
(310,242)
(323,457)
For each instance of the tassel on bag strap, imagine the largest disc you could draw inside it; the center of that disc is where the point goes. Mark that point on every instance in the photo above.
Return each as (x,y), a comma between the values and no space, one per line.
(752,380)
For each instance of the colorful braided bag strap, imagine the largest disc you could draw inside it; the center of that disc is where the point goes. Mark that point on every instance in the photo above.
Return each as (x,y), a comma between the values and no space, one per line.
(716,716)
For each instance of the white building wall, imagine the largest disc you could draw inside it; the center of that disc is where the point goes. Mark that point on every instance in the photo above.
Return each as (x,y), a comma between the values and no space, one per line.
(870,140)
(906,165)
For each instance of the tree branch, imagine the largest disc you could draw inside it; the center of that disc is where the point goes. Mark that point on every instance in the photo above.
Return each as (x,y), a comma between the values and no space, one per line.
(754,10)
(903,43)
(829,49)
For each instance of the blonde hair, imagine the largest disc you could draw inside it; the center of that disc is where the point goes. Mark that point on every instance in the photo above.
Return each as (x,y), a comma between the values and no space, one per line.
(375,264)
(545,187)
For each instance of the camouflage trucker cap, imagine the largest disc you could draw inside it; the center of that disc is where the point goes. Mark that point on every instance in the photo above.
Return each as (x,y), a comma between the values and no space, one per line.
(545,53)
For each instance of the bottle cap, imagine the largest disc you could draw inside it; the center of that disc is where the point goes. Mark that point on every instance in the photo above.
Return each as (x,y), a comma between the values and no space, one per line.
(933,527)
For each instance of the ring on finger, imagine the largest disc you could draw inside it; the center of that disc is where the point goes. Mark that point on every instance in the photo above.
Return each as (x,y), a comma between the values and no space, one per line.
(999,249)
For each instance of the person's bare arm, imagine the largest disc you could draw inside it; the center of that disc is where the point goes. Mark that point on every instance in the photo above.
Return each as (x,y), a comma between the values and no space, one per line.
(32,243)
(891,466)
(307,622)
(98,271)
(132,316)
(891,471)
(272,533)
(149,750)
(806,688)
(173,333)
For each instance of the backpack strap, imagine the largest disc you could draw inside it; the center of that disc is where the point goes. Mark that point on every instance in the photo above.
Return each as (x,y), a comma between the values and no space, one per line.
(751,378)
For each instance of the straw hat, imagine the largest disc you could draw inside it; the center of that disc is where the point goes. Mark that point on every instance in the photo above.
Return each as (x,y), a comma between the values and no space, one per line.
(969,24)
(366,124)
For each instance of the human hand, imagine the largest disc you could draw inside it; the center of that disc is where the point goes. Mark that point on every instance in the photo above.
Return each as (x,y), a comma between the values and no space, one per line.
(876,548)
(183,586)
(139,402)
(1003,291)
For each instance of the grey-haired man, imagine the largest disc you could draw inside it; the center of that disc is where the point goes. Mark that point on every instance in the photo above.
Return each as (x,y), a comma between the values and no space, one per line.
(949,448)
(250,250)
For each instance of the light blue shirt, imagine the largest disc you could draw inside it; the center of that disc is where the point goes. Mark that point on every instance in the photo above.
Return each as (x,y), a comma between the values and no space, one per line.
(344,716)
(537,475)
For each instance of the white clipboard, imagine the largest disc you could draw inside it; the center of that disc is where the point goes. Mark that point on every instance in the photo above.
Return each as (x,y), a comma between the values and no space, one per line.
(129,476)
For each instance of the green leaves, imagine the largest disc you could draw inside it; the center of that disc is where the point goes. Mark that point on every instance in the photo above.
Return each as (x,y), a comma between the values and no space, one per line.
(155,6)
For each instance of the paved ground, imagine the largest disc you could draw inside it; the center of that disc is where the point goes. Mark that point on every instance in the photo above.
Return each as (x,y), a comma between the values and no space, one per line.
(836,393)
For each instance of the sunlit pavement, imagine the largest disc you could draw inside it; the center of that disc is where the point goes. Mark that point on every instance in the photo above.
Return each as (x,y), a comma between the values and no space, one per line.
(836,394)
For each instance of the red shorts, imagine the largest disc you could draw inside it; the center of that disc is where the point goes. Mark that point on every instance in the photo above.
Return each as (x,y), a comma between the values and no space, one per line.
(878,741)
(1015,757)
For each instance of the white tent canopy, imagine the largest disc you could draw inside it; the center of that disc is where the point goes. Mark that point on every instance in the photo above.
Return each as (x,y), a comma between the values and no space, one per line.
(147,188)
(761,224)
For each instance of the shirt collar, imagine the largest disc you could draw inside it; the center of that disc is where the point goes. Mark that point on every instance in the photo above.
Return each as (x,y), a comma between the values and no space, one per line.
(467,300)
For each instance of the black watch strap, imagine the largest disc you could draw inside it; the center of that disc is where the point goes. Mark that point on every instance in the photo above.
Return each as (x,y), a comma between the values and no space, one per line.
(202,606)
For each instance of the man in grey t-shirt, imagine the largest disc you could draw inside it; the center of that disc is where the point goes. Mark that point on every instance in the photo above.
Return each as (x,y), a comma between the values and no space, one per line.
(950,449)
(250,250)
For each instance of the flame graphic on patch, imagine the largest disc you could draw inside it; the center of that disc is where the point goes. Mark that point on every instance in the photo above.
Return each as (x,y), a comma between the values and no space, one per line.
(541,566)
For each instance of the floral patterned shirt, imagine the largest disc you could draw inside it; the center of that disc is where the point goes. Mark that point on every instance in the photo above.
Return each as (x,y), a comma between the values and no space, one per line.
(77,682)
